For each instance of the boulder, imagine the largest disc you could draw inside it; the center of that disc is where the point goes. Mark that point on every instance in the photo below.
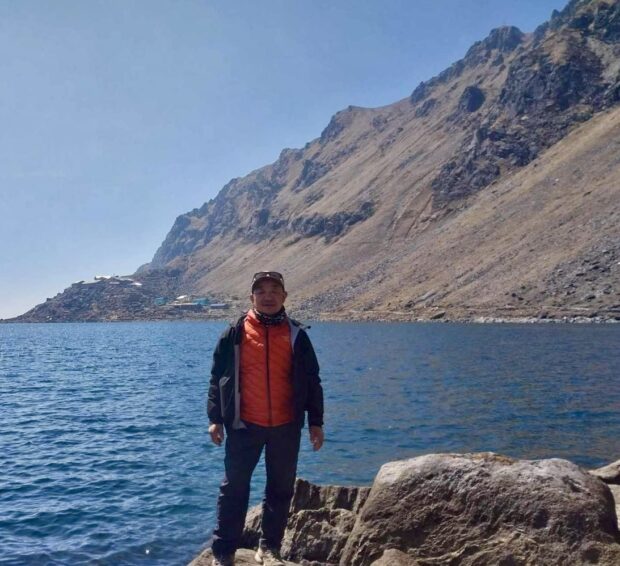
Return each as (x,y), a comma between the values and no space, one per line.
(452,509)
(485,509)
(471,99)
(609,473)
(319,525)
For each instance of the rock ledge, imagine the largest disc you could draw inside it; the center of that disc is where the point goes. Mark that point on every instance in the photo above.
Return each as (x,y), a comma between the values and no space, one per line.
(465,509)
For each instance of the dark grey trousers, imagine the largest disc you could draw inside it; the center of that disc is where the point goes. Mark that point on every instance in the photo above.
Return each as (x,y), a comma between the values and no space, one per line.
(243,450)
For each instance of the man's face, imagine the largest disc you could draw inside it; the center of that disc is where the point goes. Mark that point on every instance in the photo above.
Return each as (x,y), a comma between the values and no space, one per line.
(268,297)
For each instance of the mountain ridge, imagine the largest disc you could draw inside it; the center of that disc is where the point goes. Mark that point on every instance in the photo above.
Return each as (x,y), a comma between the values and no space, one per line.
(381,184)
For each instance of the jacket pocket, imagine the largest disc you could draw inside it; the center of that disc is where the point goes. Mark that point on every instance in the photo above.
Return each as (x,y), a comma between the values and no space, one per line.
(227,396)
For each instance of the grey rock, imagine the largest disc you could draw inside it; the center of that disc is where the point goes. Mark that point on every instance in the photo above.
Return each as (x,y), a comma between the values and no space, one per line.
(311,171)
(332,225)
(471,99)
(310,496)
(547,95)
(535,85)
(426,108)
(251,531)
(420,93)
(453,71)
(609,473)
(504,39)
(393,557)
(317,537)
(453,509)
(615,491)
(321,519)
(337,124)
(486,509)
(243,557)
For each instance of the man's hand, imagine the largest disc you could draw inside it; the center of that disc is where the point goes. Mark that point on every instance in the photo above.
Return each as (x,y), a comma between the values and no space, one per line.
(217,433)
(316,437)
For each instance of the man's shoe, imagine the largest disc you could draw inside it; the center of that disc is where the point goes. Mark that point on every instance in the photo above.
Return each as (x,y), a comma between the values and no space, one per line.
(268,557)
(228,560)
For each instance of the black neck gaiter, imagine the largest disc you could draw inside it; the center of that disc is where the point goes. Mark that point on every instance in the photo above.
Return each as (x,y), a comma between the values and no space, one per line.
(271,319)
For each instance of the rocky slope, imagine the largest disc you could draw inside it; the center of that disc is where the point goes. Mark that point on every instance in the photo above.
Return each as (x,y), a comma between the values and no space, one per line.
(458,199)
(468,509)
(118,299)
(491,191)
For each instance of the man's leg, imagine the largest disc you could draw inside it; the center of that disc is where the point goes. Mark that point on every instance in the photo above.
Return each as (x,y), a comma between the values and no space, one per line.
(281,452)
(243,449)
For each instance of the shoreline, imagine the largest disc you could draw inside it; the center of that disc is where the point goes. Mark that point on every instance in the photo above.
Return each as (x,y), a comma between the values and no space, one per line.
(473,321)
(395,317)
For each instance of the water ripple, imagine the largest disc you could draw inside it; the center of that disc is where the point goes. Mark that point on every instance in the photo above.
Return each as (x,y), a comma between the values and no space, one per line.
(105,454)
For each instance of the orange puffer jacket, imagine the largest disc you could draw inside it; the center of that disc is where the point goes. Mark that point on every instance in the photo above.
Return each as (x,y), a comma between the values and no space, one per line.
(265,373)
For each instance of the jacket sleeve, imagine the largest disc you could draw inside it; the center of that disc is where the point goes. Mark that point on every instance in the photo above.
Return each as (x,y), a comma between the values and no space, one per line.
(314,400)
(214,408)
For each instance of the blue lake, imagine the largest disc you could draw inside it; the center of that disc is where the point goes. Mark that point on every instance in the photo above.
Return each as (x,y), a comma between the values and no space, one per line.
(104,451)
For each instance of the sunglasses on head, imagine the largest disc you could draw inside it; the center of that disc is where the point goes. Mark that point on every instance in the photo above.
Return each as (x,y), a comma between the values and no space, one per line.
(270,274)
(267,275)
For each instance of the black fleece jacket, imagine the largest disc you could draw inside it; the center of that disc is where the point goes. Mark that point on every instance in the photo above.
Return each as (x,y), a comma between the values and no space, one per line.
(222,404)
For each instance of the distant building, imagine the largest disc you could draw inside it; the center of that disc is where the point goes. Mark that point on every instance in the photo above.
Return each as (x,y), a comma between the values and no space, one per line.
(161,301)
(114,278)
(219,306)
(201,301)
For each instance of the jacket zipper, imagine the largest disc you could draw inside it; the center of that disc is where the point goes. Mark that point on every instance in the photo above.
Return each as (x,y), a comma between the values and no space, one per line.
(268,376)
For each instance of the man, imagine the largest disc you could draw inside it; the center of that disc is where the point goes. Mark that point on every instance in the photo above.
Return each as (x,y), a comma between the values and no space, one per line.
(264,378)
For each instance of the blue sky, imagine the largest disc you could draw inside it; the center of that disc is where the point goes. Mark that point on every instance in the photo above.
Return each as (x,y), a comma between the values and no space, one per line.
(119,115)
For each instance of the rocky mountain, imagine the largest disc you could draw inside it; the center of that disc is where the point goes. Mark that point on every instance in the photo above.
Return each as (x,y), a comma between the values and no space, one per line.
(491,191)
